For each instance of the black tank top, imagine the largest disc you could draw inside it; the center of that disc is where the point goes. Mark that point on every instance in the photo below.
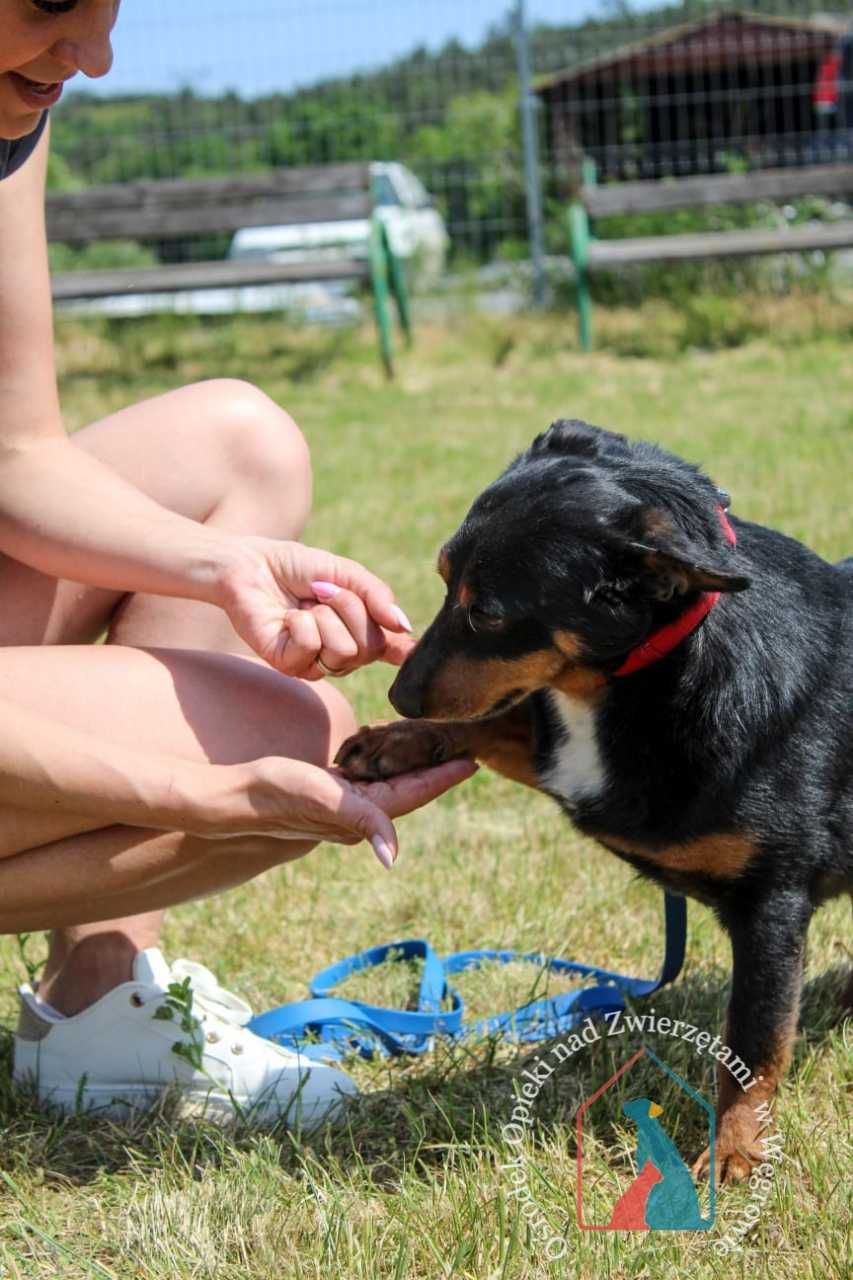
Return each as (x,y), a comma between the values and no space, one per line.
(13,154)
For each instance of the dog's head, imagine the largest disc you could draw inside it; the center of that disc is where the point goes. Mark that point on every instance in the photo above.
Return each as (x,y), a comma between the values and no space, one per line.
(562,566)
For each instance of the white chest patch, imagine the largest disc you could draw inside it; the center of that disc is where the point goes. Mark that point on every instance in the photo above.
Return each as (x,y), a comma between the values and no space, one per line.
(577,772)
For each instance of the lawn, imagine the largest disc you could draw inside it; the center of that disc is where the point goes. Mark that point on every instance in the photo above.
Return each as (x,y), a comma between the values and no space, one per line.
(420,1183)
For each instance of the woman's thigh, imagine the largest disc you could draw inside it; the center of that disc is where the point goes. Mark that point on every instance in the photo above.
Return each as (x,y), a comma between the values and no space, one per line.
(199,706)
(218,451)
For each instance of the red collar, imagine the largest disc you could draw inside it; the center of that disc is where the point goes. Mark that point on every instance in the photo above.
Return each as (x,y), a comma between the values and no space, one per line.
(665,639)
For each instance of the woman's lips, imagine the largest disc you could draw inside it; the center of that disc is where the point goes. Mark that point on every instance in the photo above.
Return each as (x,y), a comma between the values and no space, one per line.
(37,96)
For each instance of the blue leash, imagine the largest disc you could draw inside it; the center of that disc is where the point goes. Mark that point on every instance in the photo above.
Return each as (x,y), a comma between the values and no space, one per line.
(351,1026)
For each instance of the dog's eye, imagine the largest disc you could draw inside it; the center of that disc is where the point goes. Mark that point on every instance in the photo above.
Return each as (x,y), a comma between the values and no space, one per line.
(481,620)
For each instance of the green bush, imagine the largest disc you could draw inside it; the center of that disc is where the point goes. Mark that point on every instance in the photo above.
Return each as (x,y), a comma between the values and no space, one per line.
(680,282)
(714,323)
(101,254)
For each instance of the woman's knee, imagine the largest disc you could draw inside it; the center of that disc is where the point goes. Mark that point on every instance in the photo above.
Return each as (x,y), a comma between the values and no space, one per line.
(326,721)
(219,449)
(341,718)
(282,716)
(266,453)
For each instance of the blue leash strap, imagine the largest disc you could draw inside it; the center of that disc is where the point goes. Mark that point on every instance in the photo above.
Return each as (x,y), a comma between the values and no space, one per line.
(338,1027)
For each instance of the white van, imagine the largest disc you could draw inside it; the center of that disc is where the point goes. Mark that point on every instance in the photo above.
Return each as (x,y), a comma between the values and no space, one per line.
(415,228)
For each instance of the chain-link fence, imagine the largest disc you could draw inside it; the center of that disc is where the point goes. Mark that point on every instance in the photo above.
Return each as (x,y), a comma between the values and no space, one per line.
(217,87)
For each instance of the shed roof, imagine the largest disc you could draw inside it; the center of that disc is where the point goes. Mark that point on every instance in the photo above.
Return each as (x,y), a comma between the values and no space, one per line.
(721,39)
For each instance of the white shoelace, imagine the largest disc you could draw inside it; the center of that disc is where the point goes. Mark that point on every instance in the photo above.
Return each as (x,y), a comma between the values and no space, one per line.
(209,997)
(219,1006)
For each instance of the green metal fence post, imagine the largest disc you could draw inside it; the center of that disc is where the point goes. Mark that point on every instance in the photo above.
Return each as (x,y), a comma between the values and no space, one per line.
(589,172)
(379,284)
(399,286)
(579,250)
(579,238)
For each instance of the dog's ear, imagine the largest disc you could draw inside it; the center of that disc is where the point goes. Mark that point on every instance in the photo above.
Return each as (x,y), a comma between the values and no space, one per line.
(666,563)
(570,435)
(666,575)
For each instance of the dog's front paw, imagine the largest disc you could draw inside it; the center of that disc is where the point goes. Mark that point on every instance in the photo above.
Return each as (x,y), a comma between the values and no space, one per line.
(737,1150)
(388,749)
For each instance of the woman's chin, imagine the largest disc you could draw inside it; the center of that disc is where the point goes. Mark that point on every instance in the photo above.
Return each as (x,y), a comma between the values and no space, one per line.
(16,122)
(12,130)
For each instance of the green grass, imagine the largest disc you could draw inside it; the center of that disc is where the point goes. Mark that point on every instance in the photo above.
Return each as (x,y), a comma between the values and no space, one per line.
(413,1185)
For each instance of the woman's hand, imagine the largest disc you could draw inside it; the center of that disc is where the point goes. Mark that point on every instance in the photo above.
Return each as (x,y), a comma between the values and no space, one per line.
(309,613)
(289,800)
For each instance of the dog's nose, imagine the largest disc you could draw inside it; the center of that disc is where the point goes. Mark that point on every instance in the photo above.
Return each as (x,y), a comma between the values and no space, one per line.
(406,697)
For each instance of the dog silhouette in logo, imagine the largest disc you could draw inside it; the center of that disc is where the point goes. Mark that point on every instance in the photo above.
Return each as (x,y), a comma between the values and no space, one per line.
(662,1197)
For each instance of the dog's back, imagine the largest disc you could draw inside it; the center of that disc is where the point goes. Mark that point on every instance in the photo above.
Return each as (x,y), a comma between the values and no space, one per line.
(846,567)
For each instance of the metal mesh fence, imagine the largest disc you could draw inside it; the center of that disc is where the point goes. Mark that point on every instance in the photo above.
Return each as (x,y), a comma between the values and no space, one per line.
(217,87)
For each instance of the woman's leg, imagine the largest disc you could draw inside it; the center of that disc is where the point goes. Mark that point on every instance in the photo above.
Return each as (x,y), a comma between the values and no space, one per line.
(218,452)
(184,704)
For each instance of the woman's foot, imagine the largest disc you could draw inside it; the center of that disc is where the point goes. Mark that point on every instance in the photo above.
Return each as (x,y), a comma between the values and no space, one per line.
(126,1048)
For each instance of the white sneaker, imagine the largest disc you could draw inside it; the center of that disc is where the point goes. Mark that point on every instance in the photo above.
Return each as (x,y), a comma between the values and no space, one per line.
(120,1052)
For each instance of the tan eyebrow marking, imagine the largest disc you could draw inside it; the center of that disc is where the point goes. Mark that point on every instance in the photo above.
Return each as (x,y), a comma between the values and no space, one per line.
(444,564)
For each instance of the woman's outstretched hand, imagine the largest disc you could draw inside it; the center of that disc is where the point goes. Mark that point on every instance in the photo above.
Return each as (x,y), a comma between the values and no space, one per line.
(309,613)
(290,800)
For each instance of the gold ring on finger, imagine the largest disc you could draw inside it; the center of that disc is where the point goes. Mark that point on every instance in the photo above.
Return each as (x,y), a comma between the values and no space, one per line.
(328,671)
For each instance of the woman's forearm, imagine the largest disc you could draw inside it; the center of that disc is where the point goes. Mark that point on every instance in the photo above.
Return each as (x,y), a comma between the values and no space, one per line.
(49,768)
(66,514)
(61,511)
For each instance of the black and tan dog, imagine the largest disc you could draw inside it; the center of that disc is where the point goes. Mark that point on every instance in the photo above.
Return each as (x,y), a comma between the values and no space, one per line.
(680,682)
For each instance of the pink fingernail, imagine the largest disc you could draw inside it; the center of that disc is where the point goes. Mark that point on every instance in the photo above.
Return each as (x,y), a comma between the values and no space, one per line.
(383,851)
(324,590)
(402,619)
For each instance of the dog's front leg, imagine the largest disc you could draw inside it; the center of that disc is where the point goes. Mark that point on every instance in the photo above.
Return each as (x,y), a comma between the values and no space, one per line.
(504,743)
(768,947)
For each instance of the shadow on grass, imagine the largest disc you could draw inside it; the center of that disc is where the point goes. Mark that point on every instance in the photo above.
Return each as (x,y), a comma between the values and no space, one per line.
(414,1116)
